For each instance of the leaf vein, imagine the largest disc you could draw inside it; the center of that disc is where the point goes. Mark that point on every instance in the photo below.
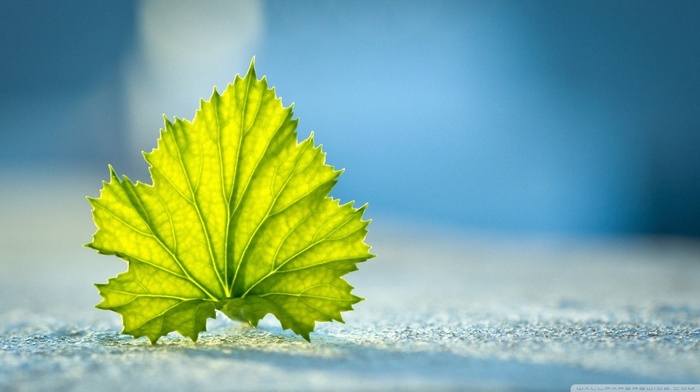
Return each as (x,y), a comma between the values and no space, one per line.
(299,253)
(201,219)
(267,214)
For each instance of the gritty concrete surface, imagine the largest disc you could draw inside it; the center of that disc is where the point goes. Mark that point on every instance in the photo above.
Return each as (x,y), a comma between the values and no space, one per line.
(445,310)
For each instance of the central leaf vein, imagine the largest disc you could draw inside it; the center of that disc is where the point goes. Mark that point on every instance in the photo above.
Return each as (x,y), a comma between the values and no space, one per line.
(199,214)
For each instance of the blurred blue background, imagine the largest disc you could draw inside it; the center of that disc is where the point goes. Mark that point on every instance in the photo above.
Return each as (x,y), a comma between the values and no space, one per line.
(546,117)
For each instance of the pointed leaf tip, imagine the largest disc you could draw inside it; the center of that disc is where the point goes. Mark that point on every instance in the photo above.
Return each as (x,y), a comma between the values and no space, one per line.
(251,68)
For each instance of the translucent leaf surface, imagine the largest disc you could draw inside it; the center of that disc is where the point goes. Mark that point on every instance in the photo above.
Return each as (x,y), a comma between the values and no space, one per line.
(238,219)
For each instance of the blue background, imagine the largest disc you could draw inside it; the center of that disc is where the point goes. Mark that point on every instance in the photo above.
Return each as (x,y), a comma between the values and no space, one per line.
(547,117)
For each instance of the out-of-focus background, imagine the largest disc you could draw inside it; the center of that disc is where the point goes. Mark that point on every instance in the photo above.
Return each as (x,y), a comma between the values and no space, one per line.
(532,169)
(547,117)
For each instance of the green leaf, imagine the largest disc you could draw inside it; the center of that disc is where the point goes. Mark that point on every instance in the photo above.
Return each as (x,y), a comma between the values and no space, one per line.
(238,219)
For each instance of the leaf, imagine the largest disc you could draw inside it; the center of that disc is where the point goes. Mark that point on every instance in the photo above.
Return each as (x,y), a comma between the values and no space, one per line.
(238,219)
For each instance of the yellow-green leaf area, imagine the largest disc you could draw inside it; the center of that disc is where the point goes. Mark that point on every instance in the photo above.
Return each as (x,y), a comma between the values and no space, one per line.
(238,218)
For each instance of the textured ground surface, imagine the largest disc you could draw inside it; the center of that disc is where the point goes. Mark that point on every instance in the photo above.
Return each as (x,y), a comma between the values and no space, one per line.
(444,310)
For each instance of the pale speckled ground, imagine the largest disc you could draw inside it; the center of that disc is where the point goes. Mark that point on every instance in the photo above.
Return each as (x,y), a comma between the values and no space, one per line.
(444,310)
